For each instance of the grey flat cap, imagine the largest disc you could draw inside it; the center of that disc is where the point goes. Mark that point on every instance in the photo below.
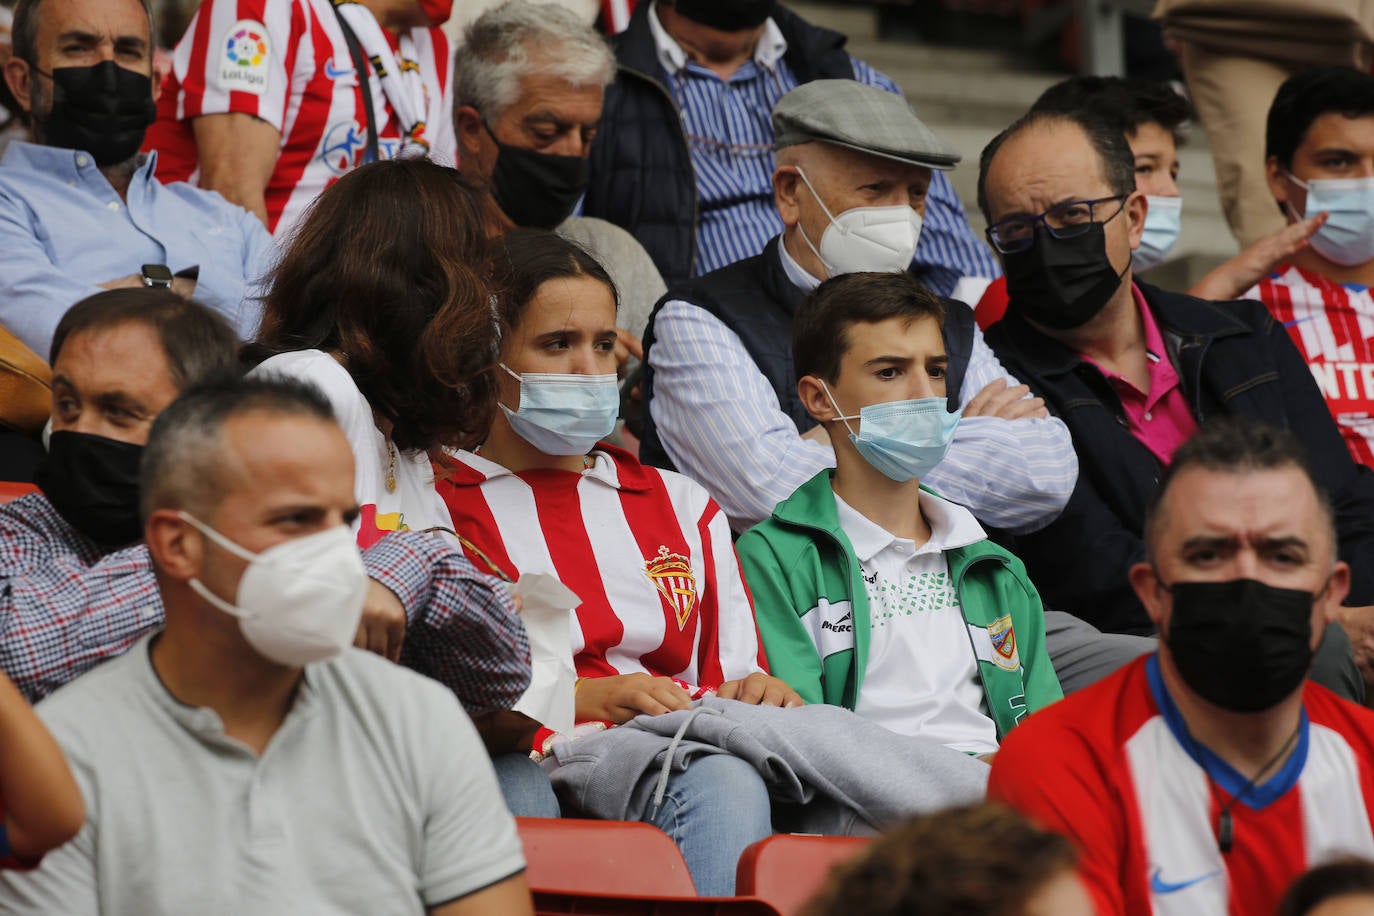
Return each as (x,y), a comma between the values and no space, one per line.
(860,117)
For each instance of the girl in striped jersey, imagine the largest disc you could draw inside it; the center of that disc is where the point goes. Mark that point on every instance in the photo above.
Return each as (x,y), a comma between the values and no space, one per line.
(665,616)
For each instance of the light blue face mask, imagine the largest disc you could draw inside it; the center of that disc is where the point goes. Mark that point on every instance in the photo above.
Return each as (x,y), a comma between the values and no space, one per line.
(1163,222)
(564,414)
(902,439)
(1348,236)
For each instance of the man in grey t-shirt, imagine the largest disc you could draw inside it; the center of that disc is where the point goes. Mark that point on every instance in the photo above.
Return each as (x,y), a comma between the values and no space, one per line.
(244,759)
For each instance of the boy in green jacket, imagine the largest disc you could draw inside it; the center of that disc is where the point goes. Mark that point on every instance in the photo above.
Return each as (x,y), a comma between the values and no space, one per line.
(871,592)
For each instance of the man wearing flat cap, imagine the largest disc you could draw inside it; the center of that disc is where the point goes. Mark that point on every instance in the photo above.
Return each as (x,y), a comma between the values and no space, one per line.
(854,170)
(684,155)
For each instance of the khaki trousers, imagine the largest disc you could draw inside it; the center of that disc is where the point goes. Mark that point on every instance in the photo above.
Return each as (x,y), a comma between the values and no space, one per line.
(1232,95)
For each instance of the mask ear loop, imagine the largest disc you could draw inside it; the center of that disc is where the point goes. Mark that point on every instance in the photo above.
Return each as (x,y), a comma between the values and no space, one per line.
(1288,204)
(839,414)
(829,270)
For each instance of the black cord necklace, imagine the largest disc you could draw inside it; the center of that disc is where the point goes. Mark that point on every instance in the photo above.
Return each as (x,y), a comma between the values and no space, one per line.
(1225,829)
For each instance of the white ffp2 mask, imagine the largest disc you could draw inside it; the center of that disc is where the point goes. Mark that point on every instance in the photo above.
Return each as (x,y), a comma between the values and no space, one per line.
(880,239)
(299,601)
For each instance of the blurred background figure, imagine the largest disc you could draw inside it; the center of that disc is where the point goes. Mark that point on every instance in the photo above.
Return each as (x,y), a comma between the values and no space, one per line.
(973,861)
(1341,888)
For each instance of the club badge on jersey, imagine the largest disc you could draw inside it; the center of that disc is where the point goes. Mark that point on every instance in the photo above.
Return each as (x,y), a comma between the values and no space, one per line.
(672,576)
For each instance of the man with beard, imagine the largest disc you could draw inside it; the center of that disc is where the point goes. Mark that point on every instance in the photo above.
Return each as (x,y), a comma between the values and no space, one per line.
(80,209)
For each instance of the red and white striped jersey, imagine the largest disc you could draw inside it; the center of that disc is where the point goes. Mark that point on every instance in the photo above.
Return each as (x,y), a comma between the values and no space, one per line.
(615,14)
(1113,768)
(1332,324)
(647,551)
(287,62)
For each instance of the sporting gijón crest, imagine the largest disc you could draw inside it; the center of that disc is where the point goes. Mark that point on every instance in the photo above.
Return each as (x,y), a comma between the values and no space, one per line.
(672,575)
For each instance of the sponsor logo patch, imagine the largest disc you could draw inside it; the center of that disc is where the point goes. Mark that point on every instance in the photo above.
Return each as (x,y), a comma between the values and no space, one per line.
(344,147)
(244,55)
(844,625)
(672,576)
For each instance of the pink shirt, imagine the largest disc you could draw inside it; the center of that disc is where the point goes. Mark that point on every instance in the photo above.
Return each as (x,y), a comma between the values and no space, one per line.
(1159,417)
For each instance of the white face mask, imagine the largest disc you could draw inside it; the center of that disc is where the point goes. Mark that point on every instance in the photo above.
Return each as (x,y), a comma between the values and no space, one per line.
(1348,236)
(298,602)
(1163,222)
(881,239)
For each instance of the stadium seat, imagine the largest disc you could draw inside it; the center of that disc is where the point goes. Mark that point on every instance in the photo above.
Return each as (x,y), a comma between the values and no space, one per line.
(786,870)
(10,490)
(602,857)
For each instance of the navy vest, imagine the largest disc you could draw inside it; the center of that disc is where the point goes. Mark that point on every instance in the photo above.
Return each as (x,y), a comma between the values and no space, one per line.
(641,165)
(756,299)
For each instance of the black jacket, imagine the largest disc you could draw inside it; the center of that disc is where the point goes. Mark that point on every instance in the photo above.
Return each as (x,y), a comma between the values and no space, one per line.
(641,166)
(1232,358)
(757,300)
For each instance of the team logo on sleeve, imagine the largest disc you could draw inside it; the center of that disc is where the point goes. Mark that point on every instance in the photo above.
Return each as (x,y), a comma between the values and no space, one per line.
(672,575)
(1003,637)
(243,58)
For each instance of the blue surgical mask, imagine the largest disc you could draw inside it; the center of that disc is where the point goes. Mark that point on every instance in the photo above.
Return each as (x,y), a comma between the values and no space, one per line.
(564,414)
(1348,236)
(902,439)
(1162,225)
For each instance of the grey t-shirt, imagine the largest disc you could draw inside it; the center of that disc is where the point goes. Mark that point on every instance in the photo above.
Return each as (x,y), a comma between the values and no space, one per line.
(375,796)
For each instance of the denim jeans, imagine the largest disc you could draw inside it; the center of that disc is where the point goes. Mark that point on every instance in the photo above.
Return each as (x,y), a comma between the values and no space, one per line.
(713,810)
(525,786)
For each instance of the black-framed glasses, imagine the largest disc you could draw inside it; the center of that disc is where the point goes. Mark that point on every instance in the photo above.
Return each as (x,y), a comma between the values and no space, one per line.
(1063,221)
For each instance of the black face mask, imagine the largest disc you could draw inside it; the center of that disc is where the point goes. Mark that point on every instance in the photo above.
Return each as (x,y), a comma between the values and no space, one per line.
(92,482)
(1240,645)
(1062,283)
(536,190)
(726,15)
(103,110)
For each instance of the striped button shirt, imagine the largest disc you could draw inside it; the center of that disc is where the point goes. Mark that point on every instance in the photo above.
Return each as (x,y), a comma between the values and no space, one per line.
(721,424)
(729,128)
(286,62)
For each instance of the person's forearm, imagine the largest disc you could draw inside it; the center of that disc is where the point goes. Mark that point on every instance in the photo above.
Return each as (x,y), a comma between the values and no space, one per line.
(43,807)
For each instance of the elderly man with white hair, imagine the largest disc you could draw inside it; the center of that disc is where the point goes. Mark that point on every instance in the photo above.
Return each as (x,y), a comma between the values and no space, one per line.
(528,86)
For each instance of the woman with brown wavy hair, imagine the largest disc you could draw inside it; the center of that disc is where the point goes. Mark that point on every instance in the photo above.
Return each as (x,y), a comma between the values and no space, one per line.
(376,301)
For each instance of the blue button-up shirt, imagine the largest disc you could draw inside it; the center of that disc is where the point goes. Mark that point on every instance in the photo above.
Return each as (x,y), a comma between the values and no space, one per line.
(64,231)
(730,130)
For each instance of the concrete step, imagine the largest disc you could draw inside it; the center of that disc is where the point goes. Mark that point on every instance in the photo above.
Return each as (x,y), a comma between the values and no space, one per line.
(968,96)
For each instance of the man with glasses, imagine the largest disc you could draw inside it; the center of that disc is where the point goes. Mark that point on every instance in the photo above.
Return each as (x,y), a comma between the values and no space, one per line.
(684,156)
(1134,370)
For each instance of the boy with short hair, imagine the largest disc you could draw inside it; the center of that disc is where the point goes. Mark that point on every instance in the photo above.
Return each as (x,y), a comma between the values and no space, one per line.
(871,592)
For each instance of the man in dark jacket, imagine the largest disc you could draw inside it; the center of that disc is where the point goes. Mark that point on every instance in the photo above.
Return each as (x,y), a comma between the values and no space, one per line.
(1134,370)
(683,159)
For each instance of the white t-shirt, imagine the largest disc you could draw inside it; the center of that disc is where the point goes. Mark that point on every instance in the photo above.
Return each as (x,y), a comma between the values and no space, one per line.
(374,796)
(414,506)
(922,675)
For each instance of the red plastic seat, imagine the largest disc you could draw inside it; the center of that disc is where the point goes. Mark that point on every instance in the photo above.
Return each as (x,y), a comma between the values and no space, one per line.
(12,490)
(602,857)
(788,869)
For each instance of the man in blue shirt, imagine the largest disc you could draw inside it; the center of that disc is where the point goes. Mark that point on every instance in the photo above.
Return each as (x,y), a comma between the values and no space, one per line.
(684,156)
(80,210)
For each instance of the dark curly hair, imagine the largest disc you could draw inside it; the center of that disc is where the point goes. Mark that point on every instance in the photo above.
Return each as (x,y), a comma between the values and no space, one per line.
(384,274)
(985,860)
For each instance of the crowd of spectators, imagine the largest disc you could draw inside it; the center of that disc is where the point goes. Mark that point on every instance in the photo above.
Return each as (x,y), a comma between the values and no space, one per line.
(335,557)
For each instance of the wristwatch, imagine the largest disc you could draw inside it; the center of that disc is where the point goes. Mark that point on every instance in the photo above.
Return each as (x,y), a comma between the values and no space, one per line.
(157,276)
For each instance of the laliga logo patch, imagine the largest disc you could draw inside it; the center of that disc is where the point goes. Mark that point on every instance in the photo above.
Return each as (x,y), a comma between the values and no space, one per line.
(1003,637)
(672,575)
(243,66)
